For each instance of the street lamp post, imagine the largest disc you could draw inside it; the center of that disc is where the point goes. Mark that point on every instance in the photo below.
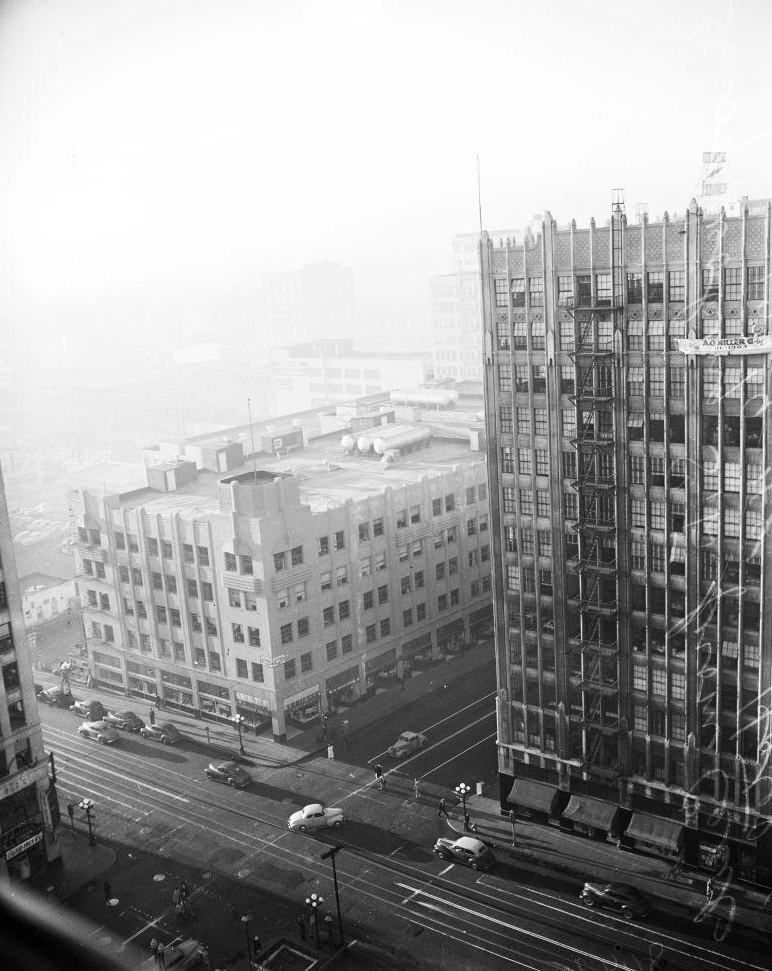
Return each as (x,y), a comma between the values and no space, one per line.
(88,806)
(245,919)
(463,790)
(239,721)
(330,855)
(314,901)
(512,820)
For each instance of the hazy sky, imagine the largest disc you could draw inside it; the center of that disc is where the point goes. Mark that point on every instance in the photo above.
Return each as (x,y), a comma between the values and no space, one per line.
(149,148)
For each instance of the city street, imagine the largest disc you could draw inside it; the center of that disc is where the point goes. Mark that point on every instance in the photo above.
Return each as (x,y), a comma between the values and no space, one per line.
(169,824)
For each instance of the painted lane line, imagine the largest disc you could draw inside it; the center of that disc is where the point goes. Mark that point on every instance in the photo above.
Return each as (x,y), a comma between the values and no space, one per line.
(142,785)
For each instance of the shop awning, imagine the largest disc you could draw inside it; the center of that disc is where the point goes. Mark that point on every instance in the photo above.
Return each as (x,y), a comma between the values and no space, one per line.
(590,812)
(305,694)
(653,829)
(533,795)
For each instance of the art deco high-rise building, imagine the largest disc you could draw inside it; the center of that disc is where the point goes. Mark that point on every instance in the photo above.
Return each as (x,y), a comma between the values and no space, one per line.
(627,382)
(29,814)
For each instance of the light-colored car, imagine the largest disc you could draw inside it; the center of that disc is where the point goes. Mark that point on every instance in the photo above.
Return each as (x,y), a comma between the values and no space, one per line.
(100,731)
(315,816)
(406,744)
(129,721)
(56,697)
(164,732)
(466,849)
(229,773)
(181,954)
(93,710)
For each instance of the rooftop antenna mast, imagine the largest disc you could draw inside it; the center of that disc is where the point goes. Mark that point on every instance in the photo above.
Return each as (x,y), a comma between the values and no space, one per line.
(252,436)
(479,196)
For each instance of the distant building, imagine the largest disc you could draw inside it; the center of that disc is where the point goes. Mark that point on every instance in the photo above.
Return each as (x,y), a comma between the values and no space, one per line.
(309,303)
(29,812)
(627,385)
(321,372)
(340,554)
(45,597)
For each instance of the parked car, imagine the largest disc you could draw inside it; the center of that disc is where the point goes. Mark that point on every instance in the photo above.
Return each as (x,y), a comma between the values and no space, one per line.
(91,710)
(315,816)
(616,896)
(164,732)
(57,697)
(181,954)
(406,744)
(129,721)
(100,731)
(466,849)
(229,773)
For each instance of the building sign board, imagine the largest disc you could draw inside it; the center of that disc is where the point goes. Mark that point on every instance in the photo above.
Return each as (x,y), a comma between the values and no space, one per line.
(757,344)
(23,847)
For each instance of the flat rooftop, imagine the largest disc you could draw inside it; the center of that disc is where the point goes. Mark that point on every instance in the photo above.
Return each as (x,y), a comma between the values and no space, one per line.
(328,477)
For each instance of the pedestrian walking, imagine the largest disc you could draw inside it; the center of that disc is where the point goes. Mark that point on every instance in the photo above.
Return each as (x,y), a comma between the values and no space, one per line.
(71,814)
(416,793)
(160,956)
(330,752)
(379,777)
(710,890)
(154,950)
(441,810)
(108,892)
(158,701)
(152,717)
(469,825)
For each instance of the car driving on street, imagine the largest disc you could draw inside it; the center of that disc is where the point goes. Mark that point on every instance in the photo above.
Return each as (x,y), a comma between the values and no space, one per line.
(93,710)
(466,849)
(129,721)
(406,744)
(100,731)
(228,773)
(163,732)
(315,816)
(616,896)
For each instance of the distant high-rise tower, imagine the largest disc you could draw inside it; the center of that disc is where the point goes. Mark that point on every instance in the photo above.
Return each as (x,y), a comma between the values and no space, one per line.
(29,814)
(314,302)
(627,385)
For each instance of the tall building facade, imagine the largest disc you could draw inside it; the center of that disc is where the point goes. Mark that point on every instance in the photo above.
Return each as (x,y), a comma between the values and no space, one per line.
(627,382)
(280,588)
(29,812)
(309,303)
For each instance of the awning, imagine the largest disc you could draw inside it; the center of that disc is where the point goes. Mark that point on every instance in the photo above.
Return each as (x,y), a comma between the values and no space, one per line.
(653,829)
(533,795)
(306,693)
(590,812)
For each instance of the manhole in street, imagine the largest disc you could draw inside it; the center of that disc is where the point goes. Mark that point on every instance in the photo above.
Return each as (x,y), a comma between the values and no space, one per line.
(159,877)
(207,875)
(104,940)
(113,902)
(243,874)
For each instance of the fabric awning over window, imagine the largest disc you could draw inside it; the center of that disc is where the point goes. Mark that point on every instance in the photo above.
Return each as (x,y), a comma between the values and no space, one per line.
(590,812)
(652,829)
(656,328)
(533,795)
(635,421)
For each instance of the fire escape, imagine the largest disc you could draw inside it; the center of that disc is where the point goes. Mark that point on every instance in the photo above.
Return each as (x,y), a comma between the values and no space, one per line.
(596,527)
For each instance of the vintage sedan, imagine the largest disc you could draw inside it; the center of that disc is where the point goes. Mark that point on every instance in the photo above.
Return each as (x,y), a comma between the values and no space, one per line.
(315,816)
(100,731)
(406,744)
(127,720)
(164,732)
(616,896)
(229,773)
(467,850)
(93,710)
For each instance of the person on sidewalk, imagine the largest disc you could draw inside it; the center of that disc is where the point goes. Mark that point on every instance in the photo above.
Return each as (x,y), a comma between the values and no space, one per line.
(158,701)
(441,810)
(469,826)
(71,814)
(152,716)
(379,777)
(710,890)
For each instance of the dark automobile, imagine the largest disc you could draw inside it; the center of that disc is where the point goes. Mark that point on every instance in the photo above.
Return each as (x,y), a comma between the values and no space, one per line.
(92,710)
(616,896)
(165,732)
(56,697)
(466,849)
(228,773)
(129,721)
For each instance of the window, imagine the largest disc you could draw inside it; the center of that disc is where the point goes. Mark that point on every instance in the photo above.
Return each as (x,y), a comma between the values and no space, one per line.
(253,635)
(505,378)
(657,558)
(636,381)
(296,555)
(753,524)
(401,518)
(521,377)
(523,421)
(640,680)
(340,540)
(635,335)
(565,291)
(756,280)
(570,505)
(584,290)
(245,565)
(542,502)
(437,504)
(279,562)
(526,540)
(385,627)
(526,502)
(566,335)
(370,633)
(344,610)
(523,460)
(544,538)
(655,287)
(440,571)
(230,562)
(536,291)
(733,283)
(237,632)
(568,422)
(657,382)
(603,289)
(380,562)
(442,602)
(418,577)
(187,553)
(677,686)
(420,612)
(303,627)
(211,627)
(286,633)
(378,527)
(638,512)
(203,555)
(341,576)
(539,378)
(518,293)
(502,294)
(635,288)
(542,462)
(538,339)
(540,426)
(289,669)
(658,515)
(241,668)
(710,283)
(328,616)
(676,285)
(306,661)
(415,515)
(450,503)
